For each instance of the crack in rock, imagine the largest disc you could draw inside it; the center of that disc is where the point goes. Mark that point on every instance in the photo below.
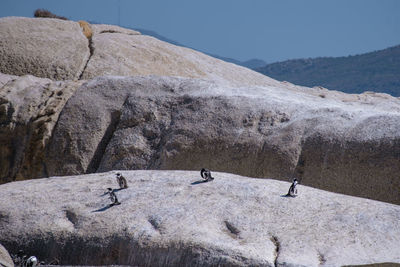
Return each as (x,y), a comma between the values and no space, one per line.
(88,32)
(277,244)
(114,31)
(72,217)
(91,52)
(321,258)
(156,223)
(102,146)
(232,229)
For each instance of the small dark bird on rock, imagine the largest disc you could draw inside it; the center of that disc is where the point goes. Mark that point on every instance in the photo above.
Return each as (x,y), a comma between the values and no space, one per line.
(293,190)
(206,175)
(113,197)
(122,181)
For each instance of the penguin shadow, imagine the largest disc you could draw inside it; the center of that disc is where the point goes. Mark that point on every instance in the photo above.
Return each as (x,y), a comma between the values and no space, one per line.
(288,195)
(202,181)
(199,182)
(105,208)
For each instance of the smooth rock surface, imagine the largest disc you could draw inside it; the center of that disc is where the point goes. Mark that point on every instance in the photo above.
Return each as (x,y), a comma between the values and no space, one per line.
(127,53)
(58,49)
(170,218)
(5,258)
(342,143)
(48,48)
(29,109)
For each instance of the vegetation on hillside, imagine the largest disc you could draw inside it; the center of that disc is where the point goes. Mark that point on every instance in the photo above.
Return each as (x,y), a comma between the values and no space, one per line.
(377,71)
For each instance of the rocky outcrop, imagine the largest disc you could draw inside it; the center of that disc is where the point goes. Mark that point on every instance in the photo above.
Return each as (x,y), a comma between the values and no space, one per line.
(5,258)
(62,50)
(117,52)
(29,109)
(341,143)
(43,47)
(227,118)
(170,218)
(335,143)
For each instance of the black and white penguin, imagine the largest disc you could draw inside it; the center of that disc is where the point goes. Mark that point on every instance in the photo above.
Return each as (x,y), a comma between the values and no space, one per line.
(206,175)
(122,181)
(293,190)
(113,197)
(31,261)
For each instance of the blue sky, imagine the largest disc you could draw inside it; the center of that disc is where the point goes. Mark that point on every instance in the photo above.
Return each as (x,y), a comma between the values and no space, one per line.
(244,29)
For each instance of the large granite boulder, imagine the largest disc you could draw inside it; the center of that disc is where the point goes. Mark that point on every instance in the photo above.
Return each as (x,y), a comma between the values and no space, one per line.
(339,142)
(232,119)
(29,110)
(59,50)
(48,48)
(171,218)
(128,53)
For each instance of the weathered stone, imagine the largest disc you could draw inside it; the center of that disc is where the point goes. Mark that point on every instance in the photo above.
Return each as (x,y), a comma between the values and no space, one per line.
(29,109)
(49,48)
(172,218)
(5,258)
(5,78)
(86,29)
(332,143)
(118,52)
(59,50)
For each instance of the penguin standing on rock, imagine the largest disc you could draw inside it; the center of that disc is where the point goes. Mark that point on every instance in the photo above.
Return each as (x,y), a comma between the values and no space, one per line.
(123,184)
(293,190)
(206,175)
(113,197)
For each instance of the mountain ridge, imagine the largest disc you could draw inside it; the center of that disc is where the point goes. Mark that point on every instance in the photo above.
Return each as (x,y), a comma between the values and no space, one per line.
(377,71)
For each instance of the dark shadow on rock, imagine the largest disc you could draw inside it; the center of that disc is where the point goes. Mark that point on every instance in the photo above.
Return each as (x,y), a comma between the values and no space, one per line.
(102,145)
(103,208)
(287,195)
(199,182)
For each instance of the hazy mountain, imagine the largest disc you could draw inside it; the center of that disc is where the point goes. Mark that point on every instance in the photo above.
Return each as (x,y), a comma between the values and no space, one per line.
(156,35)
(377,71)
(254,63)
(251,64)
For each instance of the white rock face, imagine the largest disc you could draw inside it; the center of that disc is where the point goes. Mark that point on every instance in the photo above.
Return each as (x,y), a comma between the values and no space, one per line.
(57,49)
(29,110)
(227,118)
(171,218)
(129,54)
(341,143)
(48,48)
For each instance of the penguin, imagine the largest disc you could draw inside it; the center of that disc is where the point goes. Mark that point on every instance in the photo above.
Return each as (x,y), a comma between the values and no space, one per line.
(293,190)
(122,181)
(31,261)
(113,197)
(206,175)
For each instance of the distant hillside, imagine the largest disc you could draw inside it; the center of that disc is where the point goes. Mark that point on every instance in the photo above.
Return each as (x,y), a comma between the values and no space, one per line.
(251,64)
(377,71)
